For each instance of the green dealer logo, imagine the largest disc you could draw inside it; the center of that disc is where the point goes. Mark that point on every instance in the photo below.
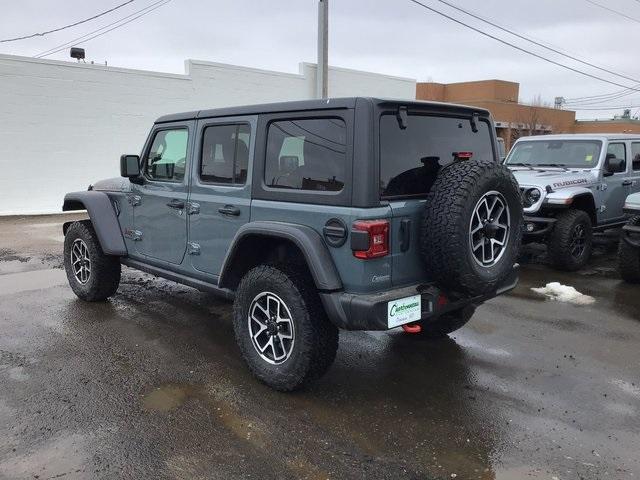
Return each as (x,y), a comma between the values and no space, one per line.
(395,309)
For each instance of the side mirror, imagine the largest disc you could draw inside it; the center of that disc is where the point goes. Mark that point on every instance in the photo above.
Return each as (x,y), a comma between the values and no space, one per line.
(130,166)
(613,165)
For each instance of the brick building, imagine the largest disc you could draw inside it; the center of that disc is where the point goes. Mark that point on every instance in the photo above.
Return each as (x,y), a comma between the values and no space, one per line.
(514,119)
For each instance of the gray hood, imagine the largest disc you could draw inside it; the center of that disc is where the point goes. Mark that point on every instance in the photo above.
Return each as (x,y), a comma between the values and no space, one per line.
(555,178)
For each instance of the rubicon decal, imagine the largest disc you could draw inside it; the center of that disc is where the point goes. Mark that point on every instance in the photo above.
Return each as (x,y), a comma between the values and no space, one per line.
(568,183)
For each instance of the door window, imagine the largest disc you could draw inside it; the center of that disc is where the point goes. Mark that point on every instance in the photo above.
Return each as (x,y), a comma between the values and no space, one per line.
(306,154)
(225,154)
(167,157)
(635,156)
(618,150)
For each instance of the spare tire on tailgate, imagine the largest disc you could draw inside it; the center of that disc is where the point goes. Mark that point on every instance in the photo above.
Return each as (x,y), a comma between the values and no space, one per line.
(472,226)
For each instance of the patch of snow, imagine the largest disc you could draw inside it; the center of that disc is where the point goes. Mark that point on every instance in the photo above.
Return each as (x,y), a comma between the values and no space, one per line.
(564,293)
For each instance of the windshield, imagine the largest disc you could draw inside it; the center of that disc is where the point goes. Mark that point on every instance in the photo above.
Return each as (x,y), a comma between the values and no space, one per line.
(556,153)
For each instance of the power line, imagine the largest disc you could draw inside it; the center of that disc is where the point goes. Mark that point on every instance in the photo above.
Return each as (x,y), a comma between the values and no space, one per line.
(42,34)
(516,34)
(101,31)
(617,107)
(481,32)
(633,19)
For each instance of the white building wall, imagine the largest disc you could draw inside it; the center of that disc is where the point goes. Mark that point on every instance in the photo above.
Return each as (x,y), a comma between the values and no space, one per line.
(64,125)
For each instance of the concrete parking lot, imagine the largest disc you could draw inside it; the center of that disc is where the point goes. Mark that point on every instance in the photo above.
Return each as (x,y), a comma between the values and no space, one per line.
(151,385)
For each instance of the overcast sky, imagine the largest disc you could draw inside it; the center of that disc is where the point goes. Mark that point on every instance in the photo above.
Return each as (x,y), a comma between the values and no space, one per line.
(393,37)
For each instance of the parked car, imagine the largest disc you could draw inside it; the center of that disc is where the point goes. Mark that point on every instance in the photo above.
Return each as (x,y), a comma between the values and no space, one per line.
(357,213)
(573,185)
(629,249)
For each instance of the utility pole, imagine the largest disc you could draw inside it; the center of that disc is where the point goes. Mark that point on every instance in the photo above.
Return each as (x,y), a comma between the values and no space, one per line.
(323,49)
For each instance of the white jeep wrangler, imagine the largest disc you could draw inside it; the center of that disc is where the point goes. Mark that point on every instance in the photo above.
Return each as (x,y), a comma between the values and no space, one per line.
(629,249)
(571,186)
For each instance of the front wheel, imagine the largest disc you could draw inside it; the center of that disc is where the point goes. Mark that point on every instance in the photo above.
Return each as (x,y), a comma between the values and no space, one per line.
(92,275)
(281,327)
(570,243)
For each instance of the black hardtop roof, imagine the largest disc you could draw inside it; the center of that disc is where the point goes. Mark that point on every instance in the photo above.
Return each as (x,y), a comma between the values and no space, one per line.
(325,104)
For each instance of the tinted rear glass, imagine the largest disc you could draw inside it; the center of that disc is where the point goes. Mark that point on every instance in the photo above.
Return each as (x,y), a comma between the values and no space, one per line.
(306,154)
(411,158)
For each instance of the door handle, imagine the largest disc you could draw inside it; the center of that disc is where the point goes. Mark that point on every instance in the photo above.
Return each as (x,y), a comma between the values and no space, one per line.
(176,204)
(229,210)
(626,183)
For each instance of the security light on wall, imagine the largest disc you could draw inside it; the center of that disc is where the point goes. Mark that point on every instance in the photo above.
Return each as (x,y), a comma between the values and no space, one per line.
(77,53)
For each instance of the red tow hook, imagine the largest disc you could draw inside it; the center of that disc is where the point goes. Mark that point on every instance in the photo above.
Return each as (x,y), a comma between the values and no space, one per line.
(412,328)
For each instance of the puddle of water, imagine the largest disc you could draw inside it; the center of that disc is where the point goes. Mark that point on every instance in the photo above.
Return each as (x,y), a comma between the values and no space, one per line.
(33,280)
(168,397)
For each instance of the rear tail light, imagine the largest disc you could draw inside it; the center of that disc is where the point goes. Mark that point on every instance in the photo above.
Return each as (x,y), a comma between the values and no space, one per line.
(376,243)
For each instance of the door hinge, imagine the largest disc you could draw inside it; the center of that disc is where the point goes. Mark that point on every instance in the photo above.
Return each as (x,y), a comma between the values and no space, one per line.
(193,248)
(193,208)
(134,200)
(135,235)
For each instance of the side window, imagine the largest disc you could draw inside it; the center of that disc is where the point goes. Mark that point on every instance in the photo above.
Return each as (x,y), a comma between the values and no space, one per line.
(167,157)
(635,156)
(306,154)
(618,149)
(225,154)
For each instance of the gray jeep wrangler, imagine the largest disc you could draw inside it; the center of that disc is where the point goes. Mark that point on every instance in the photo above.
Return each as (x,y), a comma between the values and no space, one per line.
(629,248)
(356,213)
(573,185)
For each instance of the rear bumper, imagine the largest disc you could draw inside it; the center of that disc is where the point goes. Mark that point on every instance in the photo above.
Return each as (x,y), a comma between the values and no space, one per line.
(369,311)
(535,227)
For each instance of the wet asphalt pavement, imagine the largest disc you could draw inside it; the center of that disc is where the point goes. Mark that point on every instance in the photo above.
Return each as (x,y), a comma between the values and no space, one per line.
(151,385)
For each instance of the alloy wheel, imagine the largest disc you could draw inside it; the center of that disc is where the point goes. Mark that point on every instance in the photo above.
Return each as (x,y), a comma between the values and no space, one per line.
(578,240)
(271,328)
(80,261)
(489,229)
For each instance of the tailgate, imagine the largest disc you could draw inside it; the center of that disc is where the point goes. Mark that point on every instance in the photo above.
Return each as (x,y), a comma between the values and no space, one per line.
(406,264)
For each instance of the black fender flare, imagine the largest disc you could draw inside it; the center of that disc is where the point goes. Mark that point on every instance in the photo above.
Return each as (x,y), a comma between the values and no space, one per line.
(103,218)
(315,251)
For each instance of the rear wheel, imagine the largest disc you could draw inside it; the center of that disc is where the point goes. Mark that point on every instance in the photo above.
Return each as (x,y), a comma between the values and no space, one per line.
(629,257)
(92,275)
(281,327)
(570,243)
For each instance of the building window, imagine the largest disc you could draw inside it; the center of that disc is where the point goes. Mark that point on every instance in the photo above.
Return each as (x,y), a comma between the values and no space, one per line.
(225,154)
(306,154)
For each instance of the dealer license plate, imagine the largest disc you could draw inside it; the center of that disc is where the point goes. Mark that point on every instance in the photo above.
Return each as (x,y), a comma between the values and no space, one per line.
(404,310)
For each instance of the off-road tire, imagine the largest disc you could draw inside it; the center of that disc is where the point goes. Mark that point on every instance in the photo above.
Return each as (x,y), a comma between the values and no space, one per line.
(104,278)
(629,257)
(316,339)
(445,228)
(559,241)
(447,323)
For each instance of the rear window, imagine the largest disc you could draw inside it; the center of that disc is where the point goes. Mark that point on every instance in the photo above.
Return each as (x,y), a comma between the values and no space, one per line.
(306,154)
(411,158)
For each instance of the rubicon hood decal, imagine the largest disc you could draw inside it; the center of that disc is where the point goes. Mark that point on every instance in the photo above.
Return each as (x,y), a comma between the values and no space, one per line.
(570,183)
